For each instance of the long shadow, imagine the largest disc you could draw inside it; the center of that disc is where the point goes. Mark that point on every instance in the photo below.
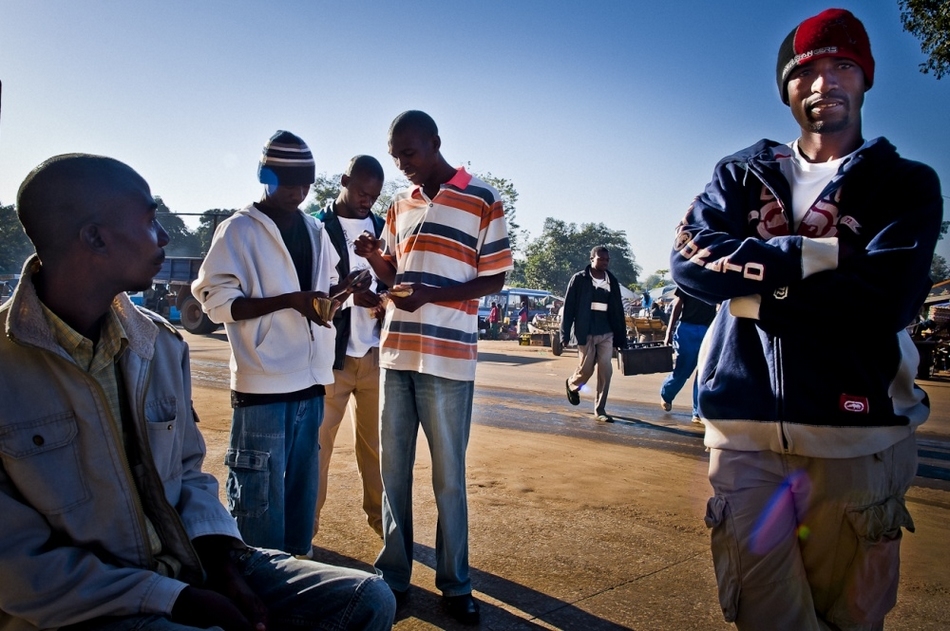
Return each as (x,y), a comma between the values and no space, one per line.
(502,358)
(426,605)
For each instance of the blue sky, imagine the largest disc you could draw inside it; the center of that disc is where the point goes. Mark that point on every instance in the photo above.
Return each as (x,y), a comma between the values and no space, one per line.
(614,112)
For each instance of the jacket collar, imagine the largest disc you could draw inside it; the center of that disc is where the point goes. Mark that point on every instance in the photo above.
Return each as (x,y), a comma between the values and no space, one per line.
(27,324)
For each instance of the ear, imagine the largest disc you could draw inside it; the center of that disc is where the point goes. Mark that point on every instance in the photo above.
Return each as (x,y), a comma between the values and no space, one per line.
(344,180)
(436,142)
(91,238)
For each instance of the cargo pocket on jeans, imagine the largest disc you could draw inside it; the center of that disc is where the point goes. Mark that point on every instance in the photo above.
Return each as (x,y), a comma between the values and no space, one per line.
(870,583)
(248,482)
(725,551)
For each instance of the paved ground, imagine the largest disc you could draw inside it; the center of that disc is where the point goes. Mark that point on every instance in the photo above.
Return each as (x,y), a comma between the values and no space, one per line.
(576,525)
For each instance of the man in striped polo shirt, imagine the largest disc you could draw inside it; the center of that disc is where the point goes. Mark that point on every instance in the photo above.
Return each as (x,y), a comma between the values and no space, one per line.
(446,239)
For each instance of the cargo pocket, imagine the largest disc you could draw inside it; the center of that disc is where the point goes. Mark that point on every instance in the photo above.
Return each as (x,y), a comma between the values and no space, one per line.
(248,482)
(870,582)
(725,551)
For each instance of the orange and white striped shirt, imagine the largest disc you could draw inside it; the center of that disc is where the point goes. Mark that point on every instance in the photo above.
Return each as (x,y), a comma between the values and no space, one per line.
(455,237)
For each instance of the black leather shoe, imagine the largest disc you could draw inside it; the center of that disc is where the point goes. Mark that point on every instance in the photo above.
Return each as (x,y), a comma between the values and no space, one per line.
(463,608)
(573,397)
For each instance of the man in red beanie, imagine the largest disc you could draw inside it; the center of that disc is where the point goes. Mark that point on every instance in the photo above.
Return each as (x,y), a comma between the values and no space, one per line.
(811,428)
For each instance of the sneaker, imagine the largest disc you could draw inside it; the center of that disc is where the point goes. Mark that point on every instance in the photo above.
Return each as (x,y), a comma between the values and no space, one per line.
(666,405)
(573,397)
(697,420)
(603,418)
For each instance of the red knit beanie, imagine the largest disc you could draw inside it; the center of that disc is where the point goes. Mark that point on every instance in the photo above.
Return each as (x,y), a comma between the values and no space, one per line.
(831,33)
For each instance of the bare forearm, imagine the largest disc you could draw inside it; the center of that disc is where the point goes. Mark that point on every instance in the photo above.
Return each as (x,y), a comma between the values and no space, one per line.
(247,308)
(471,290)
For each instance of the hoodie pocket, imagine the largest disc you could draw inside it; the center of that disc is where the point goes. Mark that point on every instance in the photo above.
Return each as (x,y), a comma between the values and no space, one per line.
(41,458)
(870,582)
(725,551)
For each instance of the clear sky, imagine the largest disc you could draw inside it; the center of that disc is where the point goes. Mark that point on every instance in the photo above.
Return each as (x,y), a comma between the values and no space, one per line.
(612,112)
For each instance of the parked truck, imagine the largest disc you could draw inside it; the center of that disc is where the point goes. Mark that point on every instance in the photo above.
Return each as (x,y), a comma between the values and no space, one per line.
(176,274)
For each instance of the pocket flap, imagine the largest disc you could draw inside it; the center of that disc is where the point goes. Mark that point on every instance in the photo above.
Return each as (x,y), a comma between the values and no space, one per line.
(881,521)
(33,437)
(246,459)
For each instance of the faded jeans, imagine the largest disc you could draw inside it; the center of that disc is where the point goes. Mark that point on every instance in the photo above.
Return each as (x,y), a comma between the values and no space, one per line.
(443,407)
(273,473)
(686,341)
(298,595)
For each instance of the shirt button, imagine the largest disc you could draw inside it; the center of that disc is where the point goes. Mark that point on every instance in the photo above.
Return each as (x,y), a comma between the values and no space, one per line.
(38,440)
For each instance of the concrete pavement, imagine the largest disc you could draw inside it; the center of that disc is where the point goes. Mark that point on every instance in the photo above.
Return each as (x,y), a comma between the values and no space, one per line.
(585,533)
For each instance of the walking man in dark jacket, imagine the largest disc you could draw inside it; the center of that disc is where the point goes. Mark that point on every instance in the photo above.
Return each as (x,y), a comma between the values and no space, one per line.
(810,412)
(594,309)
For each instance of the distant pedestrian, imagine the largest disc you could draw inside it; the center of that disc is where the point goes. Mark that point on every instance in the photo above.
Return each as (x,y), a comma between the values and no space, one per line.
(593,313)
(689,320)
(494,321)
(523,316)
(810,406)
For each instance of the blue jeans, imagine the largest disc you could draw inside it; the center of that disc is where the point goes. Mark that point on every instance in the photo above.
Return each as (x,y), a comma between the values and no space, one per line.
(273,473)
(443,407)
(298,594)
(686,340)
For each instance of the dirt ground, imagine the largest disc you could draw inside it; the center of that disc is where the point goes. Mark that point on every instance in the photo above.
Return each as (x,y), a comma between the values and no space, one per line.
(569,533)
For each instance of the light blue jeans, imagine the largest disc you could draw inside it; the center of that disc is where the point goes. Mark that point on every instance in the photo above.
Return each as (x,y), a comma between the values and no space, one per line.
(273,473)
(443,407)
(298,594)
(686,340)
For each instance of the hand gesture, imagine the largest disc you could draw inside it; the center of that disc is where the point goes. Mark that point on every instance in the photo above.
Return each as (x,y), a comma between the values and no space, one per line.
(366,245)
(204,608)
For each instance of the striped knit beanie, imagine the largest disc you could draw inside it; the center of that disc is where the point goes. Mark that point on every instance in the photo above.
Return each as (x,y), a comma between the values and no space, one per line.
(286,161)
(831,33)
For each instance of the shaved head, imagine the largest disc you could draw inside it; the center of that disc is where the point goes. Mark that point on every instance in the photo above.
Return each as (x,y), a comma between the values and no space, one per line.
(365,166)
(414,121)
(67,192)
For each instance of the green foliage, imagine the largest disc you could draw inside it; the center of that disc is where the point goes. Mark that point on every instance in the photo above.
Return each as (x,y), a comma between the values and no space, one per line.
(182,241)
(939,269)
(659,278)
(563,249)
(15,247)
(209,221)
(323,190)
(929,21)
(509,197)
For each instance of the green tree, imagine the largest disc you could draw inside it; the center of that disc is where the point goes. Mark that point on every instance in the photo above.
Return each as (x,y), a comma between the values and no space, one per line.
(929,21)
(939,269)
(182,241)
(564,248)
(15,247)
(659,278)
(509,197)
(208,223)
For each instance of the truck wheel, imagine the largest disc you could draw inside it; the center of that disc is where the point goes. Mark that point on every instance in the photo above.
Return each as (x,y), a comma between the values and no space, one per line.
(194,319)
(556,347)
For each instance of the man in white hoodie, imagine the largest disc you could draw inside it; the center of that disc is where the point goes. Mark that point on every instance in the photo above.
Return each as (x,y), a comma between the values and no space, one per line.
(266,265)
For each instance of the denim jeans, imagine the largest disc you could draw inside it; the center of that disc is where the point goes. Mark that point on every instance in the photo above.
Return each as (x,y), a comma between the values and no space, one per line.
(298,595)
(443,407)
(273,473)
(686,341)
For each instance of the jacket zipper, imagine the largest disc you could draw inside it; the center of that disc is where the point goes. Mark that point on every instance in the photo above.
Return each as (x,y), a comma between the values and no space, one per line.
(780,391)
(148,457)
(117,438)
